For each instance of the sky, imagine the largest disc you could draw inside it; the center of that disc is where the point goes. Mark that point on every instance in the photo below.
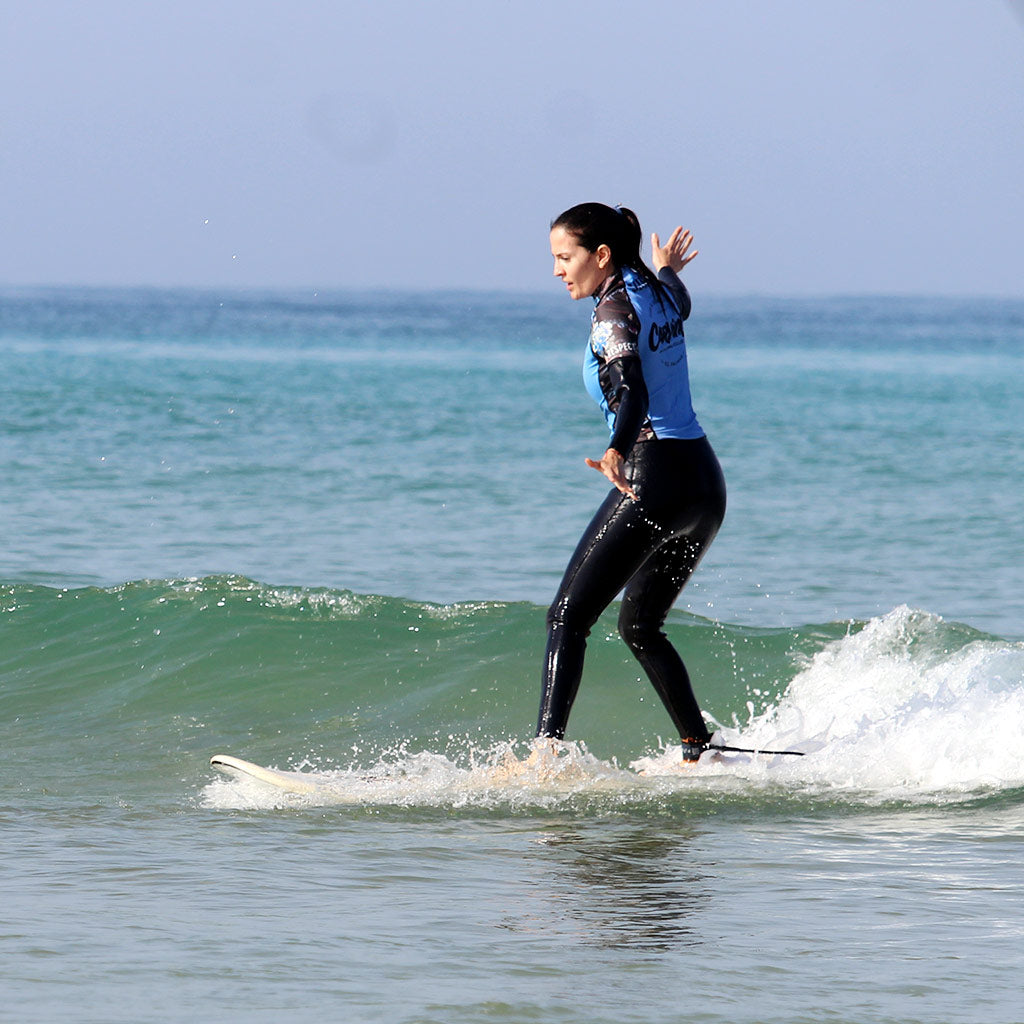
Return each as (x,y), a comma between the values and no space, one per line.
(812,146)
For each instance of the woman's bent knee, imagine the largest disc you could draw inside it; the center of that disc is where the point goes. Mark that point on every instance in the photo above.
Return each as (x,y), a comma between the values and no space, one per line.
(637,632)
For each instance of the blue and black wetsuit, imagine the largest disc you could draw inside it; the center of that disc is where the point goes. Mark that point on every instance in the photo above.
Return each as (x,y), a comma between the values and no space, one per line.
(635,368)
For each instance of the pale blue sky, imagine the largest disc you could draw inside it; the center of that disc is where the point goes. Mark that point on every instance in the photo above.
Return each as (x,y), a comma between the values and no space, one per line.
(813,146)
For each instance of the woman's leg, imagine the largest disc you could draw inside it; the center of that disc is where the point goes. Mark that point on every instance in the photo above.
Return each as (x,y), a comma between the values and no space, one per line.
(645,605)
(615,544)
(658,583)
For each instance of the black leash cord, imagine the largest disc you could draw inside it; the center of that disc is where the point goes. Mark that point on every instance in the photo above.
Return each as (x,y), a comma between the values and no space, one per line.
(750,750)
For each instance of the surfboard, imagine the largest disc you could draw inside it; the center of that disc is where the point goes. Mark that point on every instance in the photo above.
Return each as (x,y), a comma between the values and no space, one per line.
(289,782)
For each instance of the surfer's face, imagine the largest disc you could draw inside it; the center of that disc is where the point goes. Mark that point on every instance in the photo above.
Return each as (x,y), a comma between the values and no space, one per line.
(582,271)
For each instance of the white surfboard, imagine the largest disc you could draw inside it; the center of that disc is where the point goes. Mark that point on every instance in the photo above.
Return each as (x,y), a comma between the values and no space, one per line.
(289,782)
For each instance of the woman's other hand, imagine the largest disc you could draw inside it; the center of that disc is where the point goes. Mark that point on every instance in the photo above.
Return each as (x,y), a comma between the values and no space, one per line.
(611,465)
(675,252)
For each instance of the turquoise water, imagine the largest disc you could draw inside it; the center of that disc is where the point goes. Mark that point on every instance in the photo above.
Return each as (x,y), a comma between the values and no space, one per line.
(320,531)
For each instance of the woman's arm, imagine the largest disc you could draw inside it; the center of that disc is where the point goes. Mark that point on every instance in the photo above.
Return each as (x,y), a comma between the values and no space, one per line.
(627,380)
(669,259)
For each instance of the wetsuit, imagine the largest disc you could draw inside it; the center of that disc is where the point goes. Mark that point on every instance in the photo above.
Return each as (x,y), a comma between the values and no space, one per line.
(635,367)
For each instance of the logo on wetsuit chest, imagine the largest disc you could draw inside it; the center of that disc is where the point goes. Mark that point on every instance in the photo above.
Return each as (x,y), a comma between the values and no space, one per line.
(665,334)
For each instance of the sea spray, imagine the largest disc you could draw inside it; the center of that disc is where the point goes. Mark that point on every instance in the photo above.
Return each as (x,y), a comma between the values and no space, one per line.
(909,706)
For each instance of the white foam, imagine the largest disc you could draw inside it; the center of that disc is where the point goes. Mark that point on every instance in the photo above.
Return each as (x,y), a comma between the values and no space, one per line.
(550,773)
(905,707)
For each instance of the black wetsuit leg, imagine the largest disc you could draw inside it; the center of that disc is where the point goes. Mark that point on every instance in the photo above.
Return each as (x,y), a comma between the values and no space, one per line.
(649,547)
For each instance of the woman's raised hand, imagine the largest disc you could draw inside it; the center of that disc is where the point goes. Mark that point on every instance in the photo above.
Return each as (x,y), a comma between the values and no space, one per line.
(675,252)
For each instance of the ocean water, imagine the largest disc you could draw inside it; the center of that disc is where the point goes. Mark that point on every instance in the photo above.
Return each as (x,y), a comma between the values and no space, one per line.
(319,531)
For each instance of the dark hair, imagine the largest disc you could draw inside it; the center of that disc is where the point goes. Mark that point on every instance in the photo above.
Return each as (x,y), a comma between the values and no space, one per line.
(594,224)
